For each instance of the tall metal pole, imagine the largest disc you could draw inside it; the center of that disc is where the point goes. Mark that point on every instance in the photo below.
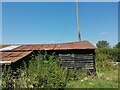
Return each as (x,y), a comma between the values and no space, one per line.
(78,22)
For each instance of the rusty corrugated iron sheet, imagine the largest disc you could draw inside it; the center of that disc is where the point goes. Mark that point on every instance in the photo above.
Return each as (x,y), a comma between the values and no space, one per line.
(13,56)
(59,46)
(23,50)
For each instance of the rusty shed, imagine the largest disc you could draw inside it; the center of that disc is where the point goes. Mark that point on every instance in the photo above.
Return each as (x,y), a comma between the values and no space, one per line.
(72,54)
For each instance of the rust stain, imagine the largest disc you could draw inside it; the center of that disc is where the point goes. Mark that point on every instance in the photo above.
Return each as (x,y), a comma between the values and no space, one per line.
(60,46)
(23,50)
(14,56)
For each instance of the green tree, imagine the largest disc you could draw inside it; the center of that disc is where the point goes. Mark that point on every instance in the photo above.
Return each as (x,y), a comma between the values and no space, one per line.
(103,44)
(117,51)
(117,45)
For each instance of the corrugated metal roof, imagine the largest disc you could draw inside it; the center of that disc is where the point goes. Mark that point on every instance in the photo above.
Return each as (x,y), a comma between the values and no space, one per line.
(17,52)
(12,57)
(9,47)
(59,46)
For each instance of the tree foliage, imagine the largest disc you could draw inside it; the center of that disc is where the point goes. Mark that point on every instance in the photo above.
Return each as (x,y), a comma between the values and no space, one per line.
(117,45)
(103,44)
(105,52)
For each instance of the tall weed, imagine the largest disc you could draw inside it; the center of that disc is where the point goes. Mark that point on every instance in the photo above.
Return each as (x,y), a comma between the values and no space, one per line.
(43,71)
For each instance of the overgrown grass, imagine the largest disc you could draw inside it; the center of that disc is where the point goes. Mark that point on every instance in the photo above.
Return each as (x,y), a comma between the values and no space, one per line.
(107,77)
(107,73)
(45,71)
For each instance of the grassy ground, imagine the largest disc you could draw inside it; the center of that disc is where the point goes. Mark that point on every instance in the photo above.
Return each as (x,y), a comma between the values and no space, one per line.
(107,77)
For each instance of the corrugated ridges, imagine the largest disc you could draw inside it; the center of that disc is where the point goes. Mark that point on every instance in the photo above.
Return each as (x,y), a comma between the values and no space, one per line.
(13,56)
(25,49)
(59,46)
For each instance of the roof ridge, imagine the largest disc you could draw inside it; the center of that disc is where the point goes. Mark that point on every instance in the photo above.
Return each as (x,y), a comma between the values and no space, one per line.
(46,43)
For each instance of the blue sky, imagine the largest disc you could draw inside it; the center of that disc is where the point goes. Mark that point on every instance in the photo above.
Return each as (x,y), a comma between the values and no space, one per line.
(56,22)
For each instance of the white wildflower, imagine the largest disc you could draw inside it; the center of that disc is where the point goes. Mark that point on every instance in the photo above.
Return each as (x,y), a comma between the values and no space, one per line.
(100,75)
(107,78)
(91,83)
(31,86)
(81,80)
(86,78)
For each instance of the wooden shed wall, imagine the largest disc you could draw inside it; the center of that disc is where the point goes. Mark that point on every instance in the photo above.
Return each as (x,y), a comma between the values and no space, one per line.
(84,58)
(77,60)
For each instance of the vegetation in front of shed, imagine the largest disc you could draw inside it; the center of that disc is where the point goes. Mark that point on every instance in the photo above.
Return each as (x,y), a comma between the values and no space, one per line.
(107,59)
(44,71)
(107,76)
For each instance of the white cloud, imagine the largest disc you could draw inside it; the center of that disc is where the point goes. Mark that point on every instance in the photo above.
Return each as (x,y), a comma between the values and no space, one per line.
(103,33)
(52,41)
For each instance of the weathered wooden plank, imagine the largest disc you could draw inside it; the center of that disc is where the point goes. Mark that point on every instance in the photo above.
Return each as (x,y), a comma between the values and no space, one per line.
(80,57)
(79,61)
(66,55)
(71,64)
(77,65)
(72,59)
(75,55)
(83,64)
(80,64)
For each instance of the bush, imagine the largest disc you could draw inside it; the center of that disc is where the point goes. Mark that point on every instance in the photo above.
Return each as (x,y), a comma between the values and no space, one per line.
(107,54)
(43,71)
